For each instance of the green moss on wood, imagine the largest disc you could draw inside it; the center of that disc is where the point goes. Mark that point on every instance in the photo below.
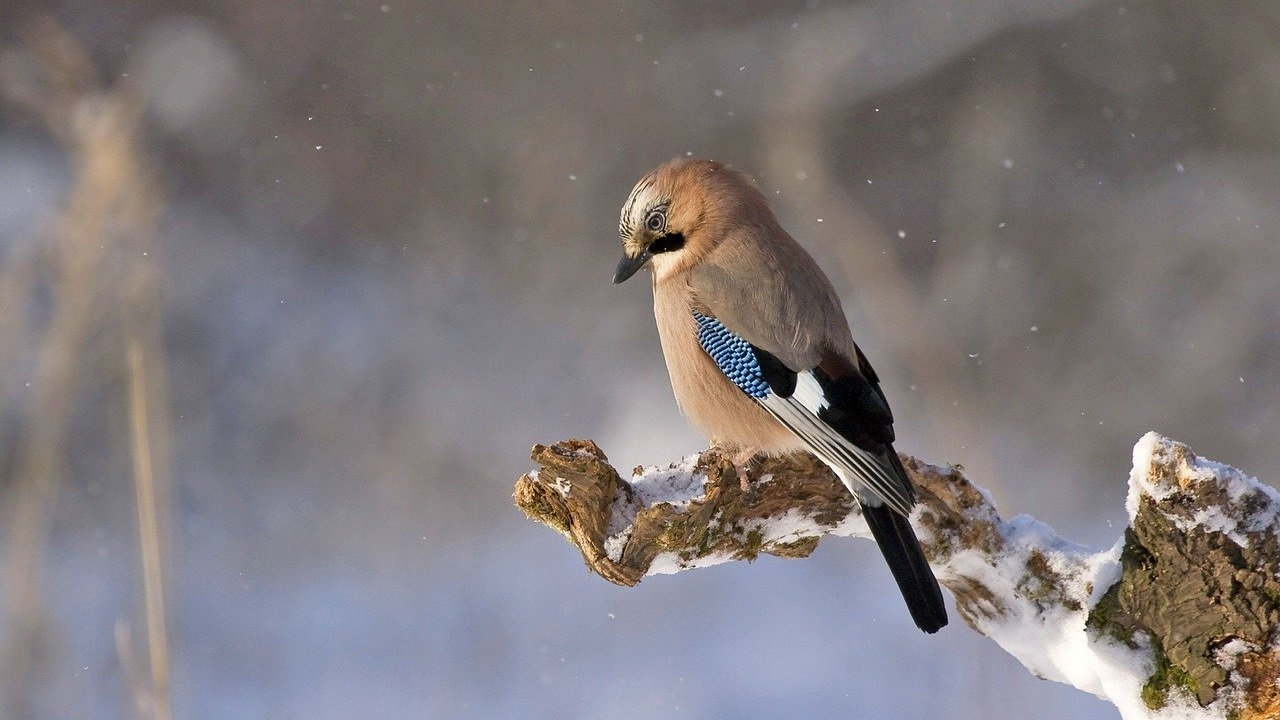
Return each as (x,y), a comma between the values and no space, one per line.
(1166,678)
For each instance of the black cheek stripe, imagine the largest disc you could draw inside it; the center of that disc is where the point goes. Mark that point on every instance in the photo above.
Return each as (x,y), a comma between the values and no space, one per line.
(667,243)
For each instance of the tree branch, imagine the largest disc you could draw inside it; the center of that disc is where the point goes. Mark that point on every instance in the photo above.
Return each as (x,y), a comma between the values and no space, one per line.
(1182,611)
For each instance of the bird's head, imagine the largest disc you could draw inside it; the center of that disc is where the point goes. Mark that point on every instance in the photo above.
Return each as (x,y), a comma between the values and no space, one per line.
(680,211)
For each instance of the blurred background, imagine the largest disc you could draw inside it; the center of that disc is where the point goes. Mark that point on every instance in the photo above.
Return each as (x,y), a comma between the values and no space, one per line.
(288,289)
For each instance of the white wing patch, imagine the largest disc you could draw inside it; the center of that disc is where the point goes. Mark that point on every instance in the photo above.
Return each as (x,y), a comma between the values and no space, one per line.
(809,393)
(867,475)
(871,477)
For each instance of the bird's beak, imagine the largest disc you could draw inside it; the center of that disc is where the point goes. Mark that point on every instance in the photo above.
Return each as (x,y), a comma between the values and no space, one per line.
(629,265)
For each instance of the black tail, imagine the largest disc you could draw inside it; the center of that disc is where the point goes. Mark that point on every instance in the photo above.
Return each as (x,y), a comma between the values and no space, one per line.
(901,550)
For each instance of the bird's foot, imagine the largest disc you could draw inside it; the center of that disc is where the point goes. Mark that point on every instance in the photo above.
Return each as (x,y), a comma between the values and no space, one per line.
(742,460)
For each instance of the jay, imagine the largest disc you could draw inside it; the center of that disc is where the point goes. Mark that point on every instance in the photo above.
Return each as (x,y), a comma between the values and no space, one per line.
(759,352)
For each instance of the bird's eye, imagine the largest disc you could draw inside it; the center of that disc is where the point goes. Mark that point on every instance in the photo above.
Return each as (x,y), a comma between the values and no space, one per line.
(656,221)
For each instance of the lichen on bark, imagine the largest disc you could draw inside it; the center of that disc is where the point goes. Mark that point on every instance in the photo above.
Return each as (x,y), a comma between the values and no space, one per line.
(1193,595)
(1200,569)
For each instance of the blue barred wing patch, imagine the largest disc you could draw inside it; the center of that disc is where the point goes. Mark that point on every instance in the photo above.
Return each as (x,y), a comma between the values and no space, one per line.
(732,355)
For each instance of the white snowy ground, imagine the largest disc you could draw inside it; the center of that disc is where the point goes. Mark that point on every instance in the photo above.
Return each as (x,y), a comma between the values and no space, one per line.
(1048,638)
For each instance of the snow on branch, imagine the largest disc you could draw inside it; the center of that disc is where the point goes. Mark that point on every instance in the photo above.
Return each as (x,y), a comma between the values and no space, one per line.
(1177,620)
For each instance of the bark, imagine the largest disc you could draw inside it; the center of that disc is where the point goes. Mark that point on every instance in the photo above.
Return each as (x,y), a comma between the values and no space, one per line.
(1182,611)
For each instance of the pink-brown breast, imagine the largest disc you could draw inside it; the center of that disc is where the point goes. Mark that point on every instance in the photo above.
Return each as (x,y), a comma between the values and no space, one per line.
(715,406)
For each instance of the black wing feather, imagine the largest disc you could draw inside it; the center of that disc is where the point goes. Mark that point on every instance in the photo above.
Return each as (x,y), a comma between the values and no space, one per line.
(780,378)
(857,407)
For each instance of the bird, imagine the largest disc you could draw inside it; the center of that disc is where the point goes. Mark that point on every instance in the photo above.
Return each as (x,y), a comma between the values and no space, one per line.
(760,355)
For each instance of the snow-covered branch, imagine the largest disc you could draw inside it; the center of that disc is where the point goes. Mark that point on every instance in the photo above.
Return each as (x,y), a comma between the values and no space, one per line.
(1177,619)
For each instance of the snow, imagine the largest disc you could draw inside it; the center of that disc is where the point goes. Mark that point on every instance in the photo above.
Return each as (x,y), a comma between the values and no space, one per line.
(562,486)
(677,486)
(1040,622)
(1051,640)
(1048,638)
(616,542)
(789,527)
(1229,654)
(669,563)
(1153,450)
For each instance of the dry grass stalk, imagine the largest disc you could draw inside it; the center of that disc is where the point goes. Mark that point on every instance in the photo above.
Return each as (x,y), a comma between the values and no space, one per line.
(149,533)
(98,276)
